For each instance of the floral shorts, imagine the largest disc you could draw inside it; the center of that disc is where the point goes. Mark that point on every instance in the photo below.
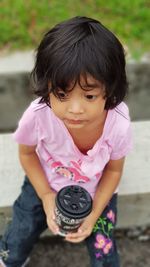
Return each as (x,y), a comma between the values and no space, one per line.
(101,244)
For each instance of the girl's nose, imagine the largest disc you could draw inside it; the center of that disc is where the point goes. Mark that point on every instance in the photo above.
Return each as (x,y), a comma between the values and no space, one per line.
(75,106)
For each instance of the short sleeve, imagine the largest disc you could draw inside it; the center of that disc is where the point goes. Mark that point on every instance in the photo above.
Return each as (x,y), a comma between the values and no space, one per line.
(26,132)
(123,145)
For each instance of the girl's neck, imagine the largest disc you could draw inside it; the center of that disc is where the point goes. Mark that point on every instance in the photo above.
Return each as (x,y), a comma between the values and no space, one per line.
(93,132)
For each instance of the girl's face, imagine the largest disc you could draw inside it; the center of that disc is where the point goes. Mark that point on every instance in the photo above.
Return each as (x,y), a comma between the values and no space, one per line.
(81,109)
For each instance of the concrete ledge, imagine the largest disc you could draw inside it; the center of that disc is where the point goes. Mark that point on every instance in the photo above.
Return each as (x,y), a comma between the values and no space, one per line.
(133,210)
(17,62)
(134,194)
(135,179)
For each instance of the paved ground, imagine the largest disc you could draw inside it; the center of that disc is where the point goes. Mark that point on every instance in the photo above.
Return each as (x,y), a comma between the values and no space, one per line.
(54,252)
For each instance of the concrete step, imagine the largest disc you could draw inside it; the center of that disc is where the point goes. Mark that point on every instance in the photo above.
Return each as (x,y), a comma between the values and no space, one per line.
(134,194)
(135,178)
(17,62)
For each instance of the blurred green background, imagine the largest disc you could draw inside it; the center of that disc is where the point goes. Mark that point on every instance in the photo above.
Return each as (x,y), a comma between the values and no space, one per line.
(23,23)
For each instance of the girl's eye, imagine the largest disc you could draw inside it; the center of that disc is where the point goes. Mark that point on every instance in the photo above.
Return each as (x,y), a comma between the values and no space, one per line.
(62,95)
(91,97)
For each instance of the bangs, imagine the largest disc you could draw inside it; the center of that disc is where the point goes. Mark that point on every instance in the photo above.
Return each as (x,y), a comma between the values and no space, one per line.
(74,65)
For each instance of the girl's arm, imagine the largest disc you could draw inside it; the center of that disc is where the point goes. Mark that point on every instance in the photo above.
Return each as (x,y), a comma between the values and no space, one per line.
(105,189)
(107,185)
(32,167)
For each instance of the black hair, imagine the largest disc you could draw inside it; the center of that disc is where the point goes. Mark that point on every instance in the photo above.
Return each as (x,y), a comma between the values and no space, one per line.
(80,46)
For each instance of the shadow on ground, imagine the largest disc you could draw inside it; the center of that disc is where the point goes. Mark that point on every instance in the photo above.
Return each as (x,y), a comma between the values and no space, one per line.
(55,252)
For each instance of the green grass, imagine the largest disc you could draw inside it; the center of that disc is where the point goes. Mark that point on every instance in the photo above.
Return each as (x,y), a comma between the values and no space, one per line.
(23,23)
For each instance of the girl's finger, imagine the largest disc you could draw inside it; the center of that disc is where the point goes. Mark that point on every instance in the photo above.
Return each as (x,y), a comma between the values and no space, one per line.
(81,233)
(78,237)
(53,226)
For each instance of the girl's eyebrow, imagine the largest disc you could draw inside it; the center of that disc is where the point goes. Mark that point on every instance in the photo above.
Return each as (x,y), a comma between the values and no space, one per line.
(91,85)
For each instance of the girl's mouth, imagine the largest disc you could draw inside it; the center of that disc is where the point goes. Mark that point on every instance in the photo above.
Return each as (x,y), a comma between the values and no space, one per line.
(74,121)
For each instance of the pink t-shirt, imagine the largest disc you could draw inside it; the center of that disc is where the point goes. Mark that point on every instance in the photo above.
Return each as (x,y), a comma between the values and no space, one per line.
(62,161)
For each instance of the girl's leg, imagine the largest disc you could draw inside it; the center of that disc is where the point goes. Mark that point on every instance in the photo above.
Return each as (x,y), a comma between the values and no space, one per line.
(27,224)
(101,243)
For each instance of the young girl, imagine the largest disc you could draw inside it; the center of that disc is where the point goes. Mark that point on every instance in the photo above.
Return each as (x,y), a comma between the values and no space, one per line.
(77,132)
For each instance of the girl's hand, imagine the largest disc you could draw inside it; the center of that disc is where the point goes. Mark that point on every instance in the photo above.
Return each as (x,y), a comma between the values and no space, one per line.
(84,230)
(49,205)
